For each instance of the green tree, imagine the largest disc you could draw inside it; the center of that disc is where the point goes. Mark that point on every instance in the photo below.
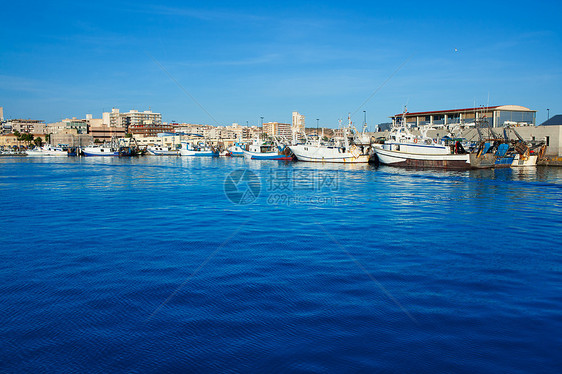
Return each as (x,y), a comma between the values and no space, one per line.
(128,135)
(38,141)
(27,138)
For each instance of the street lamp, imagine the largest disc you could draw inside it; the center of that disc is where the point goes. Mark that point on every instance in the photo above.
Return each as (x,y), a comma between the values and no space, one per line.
(262,136)
(365,119)
(548,114)
(317,133)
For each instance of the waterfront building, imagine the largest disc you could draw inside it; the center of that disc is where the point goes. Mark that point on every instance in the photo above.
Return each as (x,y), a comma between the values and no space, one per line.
(191,128)
(497,116)
(554,121)
(298,123)
(71,137)
(132,118)
(93,121)
(163,140)
(145,128)
(80,125)
(273,129)
(297,126)
(29,126)
(55,127)
(220,133)
(104,133)
(9,141)
(242,132)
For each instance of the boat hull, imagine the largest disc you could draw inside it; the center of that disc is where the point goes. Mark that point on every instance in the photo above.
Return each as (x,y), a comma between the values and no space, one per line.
(266,156)
(311,153)
(189,153)
(519,161)
(47,153)
(162,153)
(99,152)
(462,161)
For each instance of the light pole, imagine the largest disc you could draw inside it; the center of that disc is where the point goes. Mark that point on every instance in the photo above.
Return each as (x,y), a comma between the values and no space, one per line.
(317,133)
(365,120)
(262,128)
(548,114)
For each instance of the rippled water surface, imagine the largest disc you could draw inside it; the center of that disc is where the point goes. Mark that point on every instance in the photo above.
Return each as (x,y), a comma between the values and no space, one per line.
(146,265)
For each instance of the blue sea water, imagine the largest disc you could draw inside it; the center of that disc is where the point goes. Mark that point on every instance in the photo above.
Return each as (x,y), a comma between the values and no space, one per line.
(147,265)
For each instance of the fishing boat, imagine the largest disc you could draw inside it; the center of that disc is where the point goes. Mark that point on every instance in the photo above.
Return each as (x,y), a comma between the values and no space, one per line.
(330,153)
(526,153)
(236,150)
(406,149)
(260,150)
(12,152)
(162,151)
(349,149)
(47,150)
(199,150)
(95,150)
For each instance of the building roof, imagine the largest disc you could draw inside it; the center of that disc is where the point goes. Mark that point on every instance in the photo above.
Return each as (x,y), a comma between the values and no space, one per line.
(467,110)
(554,121)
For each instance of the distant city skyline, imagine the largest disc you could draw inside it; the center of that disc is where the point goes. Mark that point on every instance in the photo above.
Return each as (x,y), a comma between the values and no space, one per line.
(221,63)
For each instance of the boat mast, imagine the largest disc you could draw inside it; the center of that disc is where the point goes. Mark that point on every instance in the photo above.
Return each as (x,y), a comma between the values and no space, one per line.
(345,134)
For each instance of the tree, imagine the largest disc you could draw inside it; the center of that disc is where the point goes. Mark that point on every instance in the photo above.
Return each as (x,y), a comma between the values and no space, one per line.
(27,138)
(128,135)
(17,134)
(38,141)
(97,141)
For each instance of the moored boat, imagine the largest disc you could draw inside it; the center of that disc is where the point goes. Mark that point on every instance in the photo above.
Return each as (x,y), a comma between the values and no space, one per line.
(236,150)
(47,150)
(406,149)
(94,150)
(259,150)
(351,148)
(200,150)
(162,151)
(330,153)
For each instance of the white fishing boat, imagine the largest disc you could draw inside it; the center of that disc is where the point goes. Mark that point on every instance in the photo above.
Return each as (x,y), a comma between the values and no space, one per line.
(523,160)
(162,151)
(330,153)
(406,149)
(236,150)
(260,150)
(47,150)
(526,154)
(95,150)
(349,149)
(198,150)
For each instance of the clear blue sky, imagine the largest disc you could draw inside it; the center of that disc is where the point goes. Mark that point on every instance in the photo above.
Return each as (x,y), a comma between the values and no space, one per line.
(245,59)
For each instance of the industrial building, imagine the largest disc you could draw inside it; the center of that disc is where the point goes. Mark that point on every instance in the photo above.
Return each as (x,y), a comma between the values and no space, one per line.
(496,116)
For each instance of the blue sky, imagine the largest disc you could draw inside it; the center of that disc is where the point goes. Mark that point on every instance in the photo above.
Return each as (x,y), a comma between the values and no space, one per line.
(246,59)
